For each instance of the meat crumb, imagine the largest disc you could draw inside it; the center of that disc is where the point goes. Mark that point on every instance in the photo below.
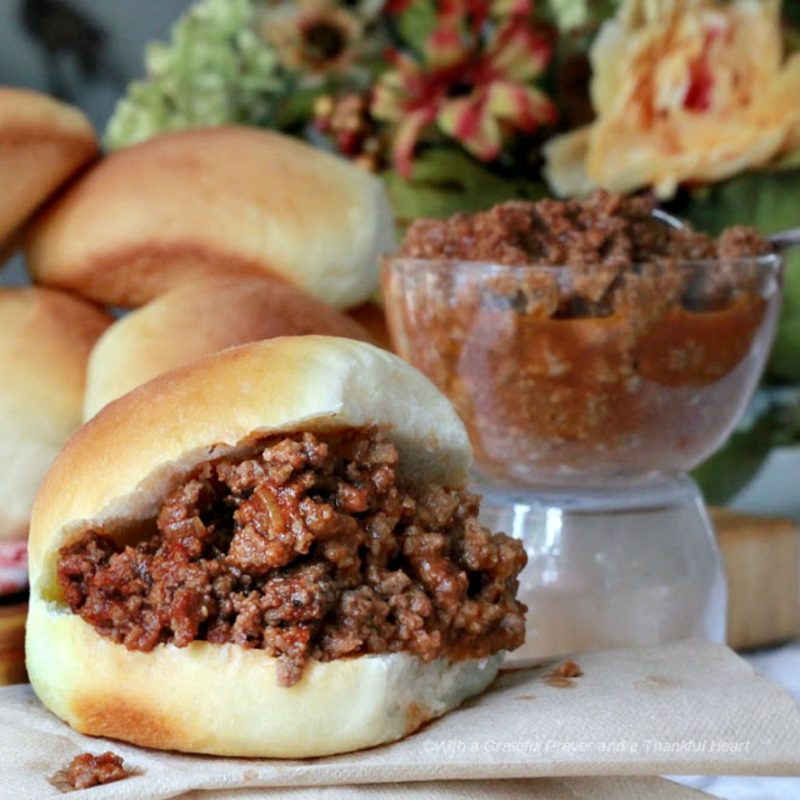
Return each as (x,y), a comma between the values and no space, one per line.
(87,770)
(569,669)
(563,676)
(601,230)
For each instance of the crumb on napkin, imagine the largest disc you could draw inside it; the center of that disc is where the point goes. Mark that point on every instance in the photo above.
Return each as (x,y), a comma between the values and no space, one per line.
(87,770)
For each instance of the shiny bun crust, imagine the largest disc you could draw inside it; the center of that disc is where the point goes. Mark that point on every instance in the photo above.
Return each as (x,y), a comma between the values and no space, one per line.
(200,202)
(223,699)
(199,318)
(43,142)
(45,341)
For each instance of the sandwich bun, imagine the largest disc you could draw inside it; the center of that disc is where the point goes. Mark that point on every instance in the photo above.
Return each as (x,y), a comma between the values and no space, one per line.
(223,699)
(211,201)
(43,142)
(199,318)
(45,341)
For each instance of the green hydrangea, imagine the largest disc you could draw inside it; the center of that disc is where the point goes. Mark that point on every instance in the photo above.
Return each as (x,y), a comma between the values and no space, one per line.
(216,70)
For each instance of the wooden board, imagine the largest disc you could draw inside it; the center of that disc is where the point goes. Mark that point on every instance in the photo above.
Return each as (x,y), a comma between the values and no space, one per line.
(12,642)
(762,563)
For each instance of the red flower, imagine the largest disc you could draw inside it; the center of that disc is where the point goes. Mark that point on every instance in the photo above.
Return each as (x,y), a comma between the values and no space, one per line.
(476,88)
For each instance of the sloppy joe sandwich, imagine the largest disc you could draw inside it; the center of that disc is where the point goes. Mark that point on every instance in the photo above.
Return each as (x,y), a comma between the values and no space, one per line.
(200,318)
(43,142)
(45,341)
(210,201)
(268,552)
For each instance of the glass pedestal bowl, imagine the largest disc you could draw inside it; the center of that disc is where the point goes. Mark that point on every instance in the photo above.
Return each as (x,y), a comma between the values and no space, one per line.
(587,395)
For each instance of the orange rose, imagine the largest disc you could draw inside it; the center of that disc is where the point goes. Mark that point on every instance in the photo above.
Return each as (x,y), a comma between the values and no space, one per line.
(685,91)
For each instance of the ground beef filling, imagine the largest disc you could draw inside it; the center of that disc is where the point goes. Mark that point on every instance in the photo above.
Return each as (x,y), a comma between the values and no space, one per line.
(309,549)
(87,770)
(603,230)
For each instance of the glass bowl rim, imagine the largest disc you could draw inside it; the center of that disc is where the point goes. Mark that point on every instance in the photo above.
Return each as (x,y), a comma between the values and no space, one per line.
(771,262)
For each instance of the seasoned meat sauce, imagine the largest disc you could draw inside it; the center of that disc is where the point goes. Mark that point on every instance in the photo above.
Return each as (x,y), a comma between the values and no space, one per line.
(87,770)
(601,340)
(604,230)
(307,549)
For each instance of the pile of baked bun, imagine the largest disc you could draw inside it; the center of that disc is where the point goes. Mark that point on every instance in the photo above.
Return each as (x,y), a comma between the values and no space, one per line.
(250,548)
(152,257)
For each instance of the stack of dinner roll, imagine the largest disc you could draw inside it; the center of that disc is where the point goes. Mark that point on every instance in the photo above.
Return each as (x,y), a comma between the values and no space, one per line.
(157,255)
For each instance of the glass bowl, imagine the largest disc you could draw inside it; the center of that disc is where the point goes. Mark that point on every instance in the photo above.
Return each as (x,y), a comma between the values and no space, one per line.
(568,376)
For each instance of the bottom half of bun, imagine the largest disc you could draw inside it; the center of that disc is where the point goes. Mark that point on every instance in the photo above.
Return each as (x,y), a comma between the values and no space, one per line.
(225,699)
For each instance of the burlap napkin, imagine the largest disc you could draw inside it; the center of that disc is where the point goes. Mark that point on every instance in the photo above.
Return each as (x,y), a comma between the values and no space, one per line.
(520,789)
(685,708)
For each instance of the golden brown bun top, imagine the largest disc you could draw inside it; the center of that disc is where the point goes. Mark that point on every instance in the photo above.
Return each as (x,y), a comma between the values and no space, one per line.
(45,341)
(227,199)
(43,142)
(119,466)
(25,114)
(200,318)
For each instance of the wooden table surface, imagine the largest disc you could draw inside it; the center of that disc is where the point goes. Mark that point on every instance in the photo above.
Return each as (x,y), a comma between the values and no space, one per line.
(12,640)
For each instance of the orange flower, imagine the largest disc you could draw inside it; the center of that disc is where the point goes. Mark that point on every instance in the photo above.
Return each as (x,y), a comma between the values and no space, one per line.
(685,91)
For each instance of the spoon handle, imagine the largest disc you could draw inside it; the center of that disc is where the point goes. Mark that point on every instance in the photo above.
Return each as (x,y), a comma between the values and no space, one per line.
(782,241)
(786,239)
(668,219)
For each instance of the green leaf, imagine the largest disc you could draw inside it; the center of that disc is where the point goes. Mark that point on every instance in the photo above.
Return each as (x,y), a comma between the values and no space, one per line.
(770,201)
(791,13)
(417,23)
(790,161)
(445,181)
(297,108)
(773,420)
(785,358)
(729,470)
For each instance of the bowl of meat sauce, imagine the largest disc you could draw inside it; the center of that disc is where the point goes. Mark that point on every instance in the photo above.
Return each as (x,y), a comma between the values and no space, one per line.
(585,341)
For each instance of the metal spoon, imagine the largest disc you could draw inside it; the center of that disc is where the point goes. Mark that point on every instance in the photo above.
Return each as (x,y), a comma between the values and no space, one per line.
(786,239)
(781,241)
